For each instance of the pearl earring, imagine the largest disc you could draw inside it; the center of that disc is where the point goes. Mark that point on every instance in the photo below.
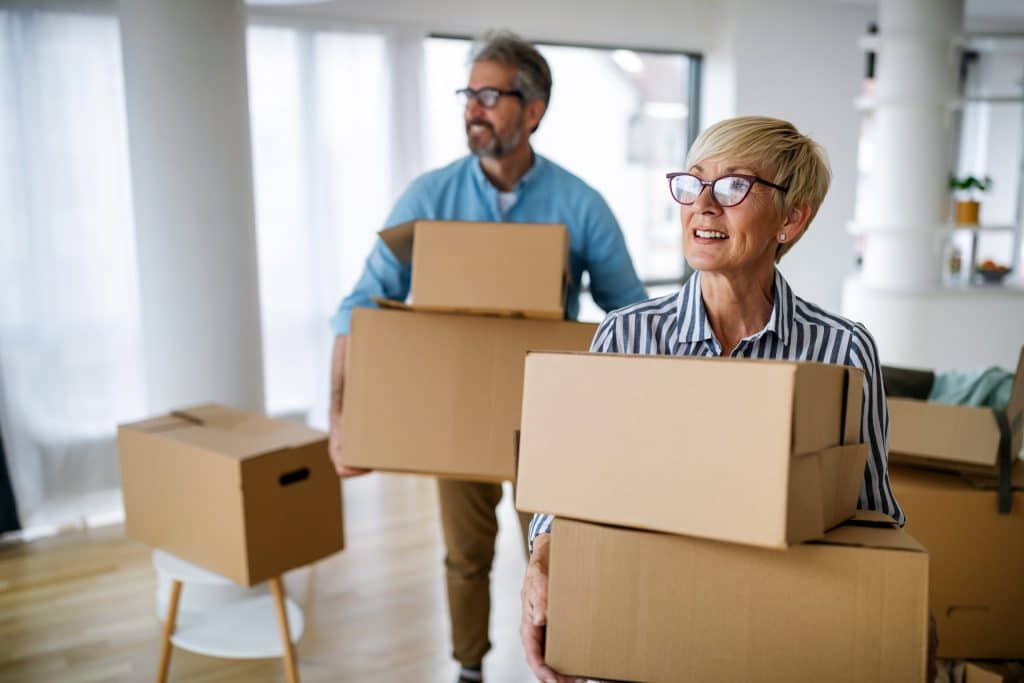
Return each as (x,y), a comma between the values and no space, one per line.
(782,237)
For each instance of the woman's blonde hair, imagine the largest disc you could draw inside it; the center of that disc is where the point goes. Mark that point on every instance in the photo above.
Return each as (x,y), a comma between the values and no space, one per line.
(778,152)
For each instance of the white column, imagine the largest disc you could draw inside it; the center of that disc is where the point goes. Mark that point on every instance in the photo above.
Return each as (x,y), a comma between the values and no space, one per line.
(188,126)
(903,212)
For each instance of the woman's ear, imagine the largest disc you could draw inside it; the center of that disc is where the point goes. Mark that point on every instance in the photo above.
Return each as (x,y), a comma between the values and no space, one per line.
(795,222)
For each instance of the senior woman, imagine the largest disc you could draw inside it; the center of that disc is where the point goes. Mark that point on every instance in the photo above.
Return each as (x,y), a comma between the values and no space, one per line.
(751,188)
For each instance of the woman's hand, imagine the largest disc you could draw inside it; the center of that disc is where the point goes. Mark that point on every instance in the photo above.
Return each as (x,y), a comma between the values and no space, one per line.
(535,612)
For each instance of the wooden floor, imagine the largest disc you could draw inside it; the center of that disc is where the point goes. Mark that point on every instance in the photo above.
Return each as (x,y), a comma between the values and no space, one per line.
(79,607)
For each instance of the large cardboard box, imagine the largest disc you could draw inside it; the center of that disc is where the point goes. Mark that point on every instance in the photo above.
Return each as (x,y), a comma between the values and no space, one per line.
(977,581)
(518,269)
(960,438)
(639,606)
(441,394)
(749,451)
(242,495)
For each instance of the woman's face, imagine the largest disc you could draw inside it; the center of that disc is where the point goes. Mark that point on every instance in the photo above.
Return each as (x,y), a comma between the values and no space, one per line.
(732,239)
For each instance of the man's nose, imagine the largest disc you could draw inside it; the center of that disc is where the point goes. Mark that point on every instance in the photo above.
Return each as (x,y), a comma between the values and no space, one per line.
(473,108)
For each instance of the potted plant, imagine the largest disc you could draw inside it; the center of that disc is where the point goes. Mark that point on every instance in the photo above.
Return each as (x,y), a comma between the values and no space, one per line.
(967,206)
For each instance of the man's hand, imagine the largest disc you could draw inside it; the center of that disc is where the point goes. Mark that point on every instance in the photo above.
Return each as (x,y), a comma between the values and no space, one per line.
(338,360)
(334,449)
(535,612)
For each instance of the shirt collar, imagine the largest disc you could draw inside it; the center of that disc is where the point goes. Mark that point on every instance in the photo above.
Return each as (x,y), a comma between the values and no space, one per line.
(692,319)
(532,173)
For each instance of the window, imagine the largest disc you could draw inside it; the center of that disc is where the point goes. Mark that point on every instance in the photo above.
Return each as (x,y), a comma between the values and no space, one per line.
(621,137)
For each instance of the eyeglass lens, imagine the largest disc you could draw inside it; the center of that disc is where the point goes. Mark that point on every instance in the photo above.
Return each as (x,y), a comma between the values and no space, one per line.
(728,190)
(488,97)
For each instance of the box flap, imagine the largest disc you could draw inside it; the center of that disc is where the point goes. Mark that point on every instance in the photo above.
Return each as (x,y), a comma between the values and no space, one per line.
(161,423)
(231,432)
(872,531)
(993,672)
(399,239)
(1015,408)
(854,401)
(455,310)
(820,404)
(391,303)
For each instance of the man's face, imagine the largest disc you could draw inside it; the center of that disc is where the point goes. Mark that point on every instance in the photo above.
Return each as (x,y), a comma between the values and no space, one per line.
(493,133)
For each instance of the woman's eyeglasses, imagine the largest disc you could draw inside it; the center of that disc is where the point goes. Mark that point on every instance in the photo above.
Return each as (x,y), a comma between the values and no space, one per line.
(729,190)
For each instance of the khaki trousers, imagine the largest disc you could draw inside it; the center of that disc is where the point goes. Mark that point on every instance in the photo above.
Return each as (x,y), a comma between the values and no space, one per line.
(470,523)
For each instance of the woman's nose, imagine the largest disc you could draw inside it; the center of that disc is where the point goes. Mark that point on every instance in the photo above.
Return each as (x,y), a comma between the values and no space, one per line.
(705,201)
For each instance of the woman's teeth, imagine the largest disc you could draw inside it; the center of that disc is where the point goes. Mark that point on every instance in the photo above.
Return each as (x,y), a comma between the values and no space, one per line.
(711,234)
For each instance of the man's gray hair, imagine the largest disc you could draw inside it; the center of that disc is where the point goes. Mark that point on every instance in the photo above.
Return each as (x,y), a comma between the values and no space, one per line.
(533,76)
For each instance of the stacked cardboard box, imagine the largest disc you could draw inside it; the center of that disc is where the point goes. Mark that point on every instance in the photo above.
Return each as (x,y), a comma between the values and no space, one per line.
(704,525)
(436,387)
(957,438)
(234,492)
(961,484)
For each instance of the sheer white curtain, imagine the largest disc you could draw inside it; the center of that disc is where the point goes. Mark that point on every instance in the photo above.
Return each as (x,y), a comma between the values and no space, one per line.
(70,358)
(320,104)
(325,166)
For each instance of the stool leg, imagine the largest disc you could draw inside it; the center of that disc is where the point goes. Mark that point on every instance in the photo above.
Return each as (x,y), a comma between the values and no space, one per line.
(172,618)
(282,619)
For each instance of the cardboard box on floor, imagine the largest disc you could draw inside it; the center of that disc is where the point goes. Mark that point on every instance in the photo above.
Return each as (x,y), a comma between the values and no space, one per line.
(441,394)
(959,438)
(640,606)
(508,269)
(977,575)
(234,492)
(993,672)
(749,451)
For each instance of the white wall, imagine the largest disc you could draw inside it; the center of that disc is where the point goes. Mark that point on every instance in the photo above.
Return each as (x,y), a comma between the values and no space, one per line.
(799,60)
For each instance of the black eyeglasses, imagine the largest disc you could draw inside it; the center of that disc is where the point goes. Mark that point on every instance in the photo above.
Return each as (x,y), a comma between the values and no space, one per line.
(487,97)
(729,190)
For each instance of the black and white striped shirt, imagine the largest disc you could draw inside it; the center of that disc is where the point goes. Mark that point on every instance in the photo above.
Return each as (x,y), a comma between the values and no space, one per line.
(677,325)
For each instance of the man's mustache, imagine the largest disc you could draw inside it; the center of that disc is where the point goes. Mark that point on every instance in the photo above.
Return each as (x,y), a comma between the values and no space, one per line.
(479,122)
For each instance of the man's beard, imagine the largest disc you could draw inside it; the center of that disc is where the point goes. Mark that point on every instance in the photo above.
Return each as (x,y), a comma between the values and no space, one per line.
(496,146)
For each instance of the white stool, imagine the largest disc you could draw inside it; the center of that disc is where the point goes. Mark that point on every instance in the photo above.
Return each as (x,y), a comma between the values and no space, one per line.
(238,626)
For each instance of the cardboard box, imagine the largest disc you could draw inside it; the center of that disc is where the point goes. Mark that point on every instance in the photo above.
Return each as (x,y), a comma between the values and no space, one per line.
(639,606)
(518,269)
(749,451)
(977,581)
(234,492)
(441,394)
(993,672)
(960,438)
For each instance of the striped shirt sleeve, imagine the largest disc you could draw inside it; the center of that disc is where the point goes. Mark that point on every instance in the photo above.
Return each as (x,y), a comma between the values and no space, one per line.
(876,493)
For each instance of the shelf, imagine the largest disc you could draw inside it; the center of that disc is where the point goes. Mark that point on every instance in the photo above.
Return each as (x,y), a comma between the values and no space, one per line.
(857,228)
(242,628)
(871,102)
(247,629)
(983,228)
